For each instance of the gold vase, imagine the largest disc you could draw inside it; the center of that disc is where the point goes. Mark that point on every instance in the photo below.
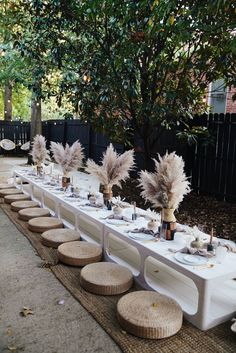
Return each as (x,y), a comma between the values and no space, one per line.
(39,169)
(107,193)
(168,223)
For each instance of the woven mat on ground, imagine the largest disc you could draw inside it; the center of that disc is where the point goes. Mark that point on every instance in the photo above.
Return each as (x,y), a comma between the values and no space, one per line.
(103,308)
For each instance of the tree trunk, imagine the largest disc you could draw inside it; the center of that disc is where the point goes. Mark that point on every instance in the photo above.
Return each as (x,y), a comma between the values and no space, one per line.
(36,123)
(148,162)
(8,102)
(36,113)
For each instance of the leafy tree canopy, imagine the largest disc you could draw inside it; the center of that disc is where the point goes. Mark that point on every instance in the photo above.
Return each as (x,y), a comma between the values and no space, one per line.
(140,65)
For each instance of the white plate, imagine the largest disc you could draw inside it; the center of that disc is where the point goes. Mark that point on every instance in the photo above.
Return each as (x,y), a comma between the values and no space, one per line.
(140,236)
(88,208)
(70,199)
(116,222)
(58,192)
(194,259)
(190,259)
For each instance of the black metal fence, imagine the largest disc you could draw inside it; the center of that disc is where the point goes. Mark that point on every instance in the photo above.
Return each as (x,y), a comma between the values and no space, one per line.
(211,166)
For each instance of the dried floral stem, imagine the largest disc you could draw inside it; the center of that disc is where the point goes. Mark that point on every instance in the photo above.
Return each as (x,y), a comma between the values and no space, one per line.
(114,167)
(167,186)
(39,152)
(69,158)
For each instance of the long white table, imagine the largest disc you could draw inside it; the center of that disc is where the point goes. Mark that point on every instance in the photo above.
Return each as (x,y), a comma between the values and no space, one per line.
(207,294)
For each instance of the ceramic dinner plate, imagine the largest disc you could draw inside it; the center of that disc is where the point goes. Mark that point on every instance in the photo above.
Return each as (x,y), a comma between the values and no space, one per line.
(70,199)
(116,222)
(190,259)
(140,236)
(88,208)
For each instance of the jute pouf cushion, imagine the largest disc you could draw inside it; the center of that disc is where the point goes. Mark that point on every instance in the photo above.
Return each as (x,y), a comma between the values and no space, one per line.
(233,327)
(28,213)
(20,205)
(18,197)
(6,186)
(79,253)
(106,278)
(55,237)
(6,192)
(148,314)
(41,224)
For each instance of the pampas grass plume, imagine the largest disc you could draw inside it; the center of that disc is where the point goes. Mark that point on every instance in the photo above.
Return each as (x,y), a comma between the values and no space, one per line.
(69,158)
(114,167)
(39,152)
(168,184)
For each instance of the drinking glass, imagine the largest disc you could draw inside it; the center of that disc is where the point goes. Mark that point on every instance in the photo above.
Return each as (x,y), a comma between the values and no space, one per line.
(220,254)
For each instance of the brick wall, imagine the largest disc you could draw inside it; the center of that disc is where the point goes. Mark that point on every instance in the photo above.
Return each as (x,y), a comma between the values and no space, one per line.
(230,105)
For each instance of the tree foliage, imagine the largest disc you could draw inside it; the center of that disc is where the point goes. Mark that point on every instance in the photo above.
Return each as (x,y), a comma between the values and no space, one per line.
(126,65)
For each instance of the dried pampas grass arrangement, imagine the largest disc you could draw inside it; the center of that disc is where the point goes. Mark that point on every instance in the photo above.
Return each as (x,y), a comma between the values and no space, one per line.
(114,167)
(69,158)
(166,187)
(39,152)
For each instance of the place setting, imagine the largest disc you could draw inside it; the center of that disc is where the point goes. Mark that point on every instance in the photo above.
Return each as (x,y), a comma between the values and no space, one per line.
(203,248)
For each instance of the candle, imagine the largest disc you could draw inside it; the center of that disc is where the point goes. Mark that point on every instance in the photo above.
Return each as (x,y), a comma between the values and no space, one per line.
(134,215)
(211,236)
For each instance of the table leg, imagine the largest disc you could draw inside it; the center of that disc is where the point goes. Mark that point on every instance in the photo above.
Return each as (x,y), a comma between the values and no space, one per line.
(57,210)
(202,318)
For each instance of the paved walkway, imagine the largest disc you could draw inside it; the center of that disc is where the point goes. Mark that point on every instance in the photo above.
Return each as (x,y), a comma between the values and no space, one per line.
(53,328)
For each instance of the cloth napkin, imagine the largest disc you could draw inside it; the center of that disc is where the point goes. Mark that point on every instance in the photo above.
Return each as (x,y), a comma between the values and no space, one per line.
(123,218)
(229,247)
(74,195)
(144,230)
(194,251)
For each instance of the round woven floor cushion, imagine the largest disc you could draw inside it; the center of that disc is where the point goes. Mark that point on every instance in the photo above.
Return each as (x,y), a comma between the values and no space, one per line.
(42,224)
(106,278)
(55,237)
(6,186)
(18,197)
(6,192)
(28,213)
(20,205)
(149,314)
(79,253)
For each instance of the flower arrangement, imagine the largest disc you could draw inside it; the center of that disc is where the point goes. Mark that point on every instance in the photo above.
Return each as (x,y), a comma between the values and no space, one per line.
(69,158)
(117,201)
(152,215)
(39,152)
(114,167)
(165,188)
(113,170)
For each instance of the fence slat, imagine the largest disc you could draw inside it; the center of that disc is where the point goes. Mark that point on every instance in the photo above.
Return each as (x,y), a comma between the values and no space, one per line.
(211,167)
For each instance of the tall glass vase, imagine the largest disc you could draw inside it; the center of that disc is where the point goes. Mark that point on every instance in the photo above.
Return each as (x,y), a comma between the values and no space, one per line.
(168,223)
(65,181)
(39,169)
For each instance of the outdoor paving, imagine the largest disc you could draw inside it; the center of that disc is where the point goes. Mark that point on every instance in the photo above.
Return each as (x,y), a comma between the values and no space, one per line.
(7,164)
(53,328)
